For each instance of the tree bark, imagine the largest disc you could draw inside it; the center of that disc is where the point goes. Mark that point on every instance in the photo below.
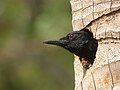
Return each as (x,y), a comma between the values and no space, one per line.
(102,17)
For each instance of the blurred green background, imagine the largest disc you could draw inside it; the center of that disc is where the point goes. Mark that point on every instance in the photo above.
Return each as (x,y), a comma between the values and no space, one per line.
(25,62)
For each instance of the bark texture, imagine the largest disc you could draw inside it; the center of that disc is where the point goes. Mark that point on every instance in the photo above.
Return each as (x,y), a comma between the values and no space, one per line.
(102,17)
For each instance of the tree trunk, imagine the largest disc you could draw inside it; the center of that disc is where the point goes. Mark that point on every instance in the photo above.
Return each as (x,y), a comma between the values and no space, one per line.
(102,17)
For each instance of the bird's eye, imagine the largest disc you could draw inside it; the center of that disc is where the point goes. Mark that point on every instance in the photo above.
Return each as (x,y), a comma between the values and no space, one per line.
(71,36)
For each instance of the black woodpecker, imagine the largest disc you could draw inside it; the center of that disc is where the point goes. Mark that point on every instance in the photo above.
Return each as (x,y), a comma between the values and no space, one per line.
(80,43)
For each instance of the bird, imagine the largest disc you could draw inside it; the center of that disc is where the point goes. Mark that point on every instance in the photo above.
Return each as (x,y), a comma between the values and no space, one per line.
(81,43)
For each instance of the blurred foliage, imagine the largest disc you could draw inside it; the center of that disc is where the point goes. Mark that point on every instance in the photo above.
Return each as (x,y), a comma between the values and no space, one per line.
(25,62)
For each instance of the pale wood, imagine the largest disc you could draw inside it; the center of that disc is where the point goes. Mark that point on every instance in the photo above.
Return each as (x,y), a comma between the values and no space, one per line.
(102,17)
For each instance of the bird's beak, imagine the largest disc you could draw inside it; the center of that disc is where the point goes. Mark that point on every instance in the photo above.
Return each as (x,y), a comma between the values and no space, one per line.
(57,42)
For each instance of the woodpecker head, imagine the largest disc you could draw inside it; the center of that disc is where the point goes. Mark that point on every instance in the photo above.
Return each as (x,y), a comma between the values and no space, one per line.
(74,41)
